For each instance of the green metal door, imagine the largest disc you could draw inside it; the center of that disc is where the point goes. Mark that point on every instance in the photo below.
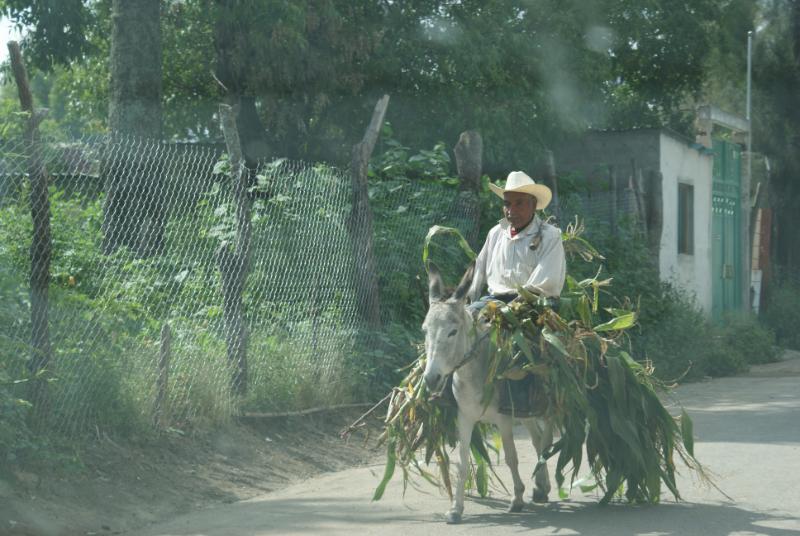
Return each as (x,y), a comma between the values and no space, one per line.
(725,228)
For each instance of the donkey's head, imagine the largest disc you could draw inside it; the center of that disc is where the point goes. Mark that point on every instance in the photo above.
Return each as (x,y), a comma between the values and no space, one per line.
(447,327)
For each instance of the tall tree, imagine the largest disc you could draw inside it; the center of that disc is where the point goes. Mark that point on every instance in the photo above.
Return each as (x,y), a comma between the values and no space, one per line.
(776,117)
(305,73)
(133,213)
(135,67)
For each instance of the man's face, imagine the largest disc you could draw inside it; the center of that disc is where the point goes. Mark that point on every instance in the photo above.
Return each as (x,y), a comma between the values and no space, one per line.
(518,208)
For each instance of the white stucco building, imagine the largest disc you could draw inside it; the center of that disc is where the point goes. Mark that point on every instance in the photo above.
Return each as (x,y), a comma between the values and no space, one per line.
(676,175)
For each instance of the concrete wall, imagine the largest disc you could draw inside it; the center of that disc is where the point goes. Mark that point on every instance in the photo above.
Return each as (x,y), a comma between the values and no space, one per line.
(678,161)
(681,163)
(590,156)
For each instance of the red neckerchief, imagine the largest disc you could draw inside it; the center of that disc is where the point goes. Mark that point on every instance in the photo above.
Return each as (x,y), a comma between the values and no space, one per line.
(515,232)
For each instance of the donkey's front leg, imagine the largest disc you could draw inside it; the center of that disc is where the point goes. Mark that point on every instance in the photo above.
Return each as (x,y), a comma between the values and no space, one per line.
(510,449)
(465,425)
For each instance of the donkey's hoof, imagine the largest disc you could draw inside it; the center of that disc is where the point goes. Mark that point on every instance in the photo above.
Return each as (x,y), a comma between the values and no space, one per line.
(516,506)
(452,517)
(539,496)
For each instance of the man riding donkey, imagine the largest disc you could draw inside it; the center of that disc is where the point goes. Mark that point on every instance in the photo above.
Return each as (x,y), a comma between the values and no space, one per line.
(520,251)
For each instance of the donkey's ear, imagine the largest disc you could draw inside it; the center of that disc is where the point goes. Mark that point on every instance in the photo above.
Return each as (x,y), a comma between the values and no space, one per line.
(435,283)
(466,282)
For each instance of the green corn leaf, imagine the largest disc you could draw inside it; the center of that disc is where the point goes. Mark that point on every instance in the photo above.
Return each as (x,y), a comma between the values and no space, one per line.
(687,432)
(613,485)
(509,315)
(388,471)
(527,295)
(625,429)
(554,341)
(438,229)
(478,445)
(585,311)
(619,323)
(572,284)
(653,481)
(587,485)
(616,375)
(481,473)
(523,345)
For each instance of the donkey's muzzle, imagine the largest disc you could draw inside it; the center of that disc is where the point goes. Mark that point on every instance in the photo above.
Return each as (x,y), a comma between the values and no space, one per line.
(433,381)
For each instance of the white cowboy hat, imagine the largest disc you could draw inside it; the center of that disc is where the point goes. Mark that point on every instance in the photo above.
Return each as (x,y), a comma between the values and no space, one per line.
(518,181)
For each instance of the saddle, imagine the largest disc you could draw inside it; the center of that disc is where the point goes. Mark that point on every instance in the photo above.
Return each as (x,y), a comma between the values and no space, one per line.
(523,397)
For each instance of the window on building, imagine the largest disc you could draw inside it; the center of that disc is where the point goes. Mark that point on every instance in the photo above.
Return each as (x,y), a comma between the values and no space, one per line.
(686,219)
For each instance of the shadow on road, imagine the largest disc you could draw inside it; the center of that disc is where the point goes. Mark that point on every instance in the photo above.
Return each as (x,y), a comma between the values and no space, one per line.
(678,519)
(316,515)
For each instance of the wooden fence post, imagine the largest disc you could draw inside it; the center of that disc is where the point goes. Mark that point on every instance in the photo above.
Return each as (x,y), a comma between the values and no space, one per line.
(234,263)
(360,224)
(469,163)
(41,247)
(162,380)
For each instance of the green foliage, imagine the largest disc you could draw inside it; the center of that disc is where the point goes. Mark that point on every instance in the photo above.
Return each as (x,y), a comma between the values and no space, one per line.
(523,74)
(15,437)
(409,192)
(664,46)
(673,333)
(394,160)
(782,313)
(55,29)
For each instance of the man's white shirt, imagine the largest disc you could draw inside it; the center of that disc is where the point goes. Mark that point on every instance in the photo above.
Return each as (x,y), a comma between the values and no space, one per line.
(532,259)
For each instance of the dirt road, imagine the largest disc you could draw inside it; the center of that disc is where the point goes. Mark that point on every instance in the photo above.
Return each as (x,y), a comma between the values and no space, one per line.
(747,432)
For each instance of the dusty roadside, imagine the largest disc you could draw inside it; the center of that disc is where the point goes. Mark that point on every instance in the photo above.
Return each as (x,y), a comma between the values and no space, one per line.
(116,487)
(112,486)
(746,437)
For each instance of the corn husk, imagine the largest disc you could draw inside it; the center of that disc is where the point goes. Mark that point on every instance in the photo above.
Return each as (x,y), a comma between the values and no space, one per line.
(605,403)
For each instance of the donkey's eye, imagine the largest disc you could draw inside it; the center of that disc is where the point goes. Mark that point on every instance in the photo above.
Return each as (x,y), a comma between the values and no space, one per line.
(452,333)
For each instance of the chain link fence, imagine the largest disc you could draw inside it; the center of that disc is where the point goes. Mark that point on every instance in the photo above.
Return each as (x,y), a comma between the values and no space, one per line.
(142,324)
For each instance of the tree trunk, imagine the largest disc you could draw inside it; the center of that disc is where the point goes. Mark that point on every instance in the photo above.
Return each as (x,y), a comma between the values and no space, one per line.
(133,214)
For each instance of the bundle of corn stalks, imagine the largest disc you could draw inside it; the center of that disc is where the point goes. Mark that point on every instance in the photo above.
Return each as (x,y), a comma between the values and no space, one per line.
(605,403)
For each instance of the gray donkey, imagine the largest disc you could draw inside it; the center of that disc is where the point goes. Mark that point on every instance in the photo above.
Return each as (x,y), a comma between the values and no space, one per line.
(450,338)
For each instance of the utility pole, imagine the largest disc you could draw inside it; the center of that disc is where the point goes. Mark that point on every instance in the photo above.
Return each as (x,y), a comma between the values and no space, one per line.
(747,300)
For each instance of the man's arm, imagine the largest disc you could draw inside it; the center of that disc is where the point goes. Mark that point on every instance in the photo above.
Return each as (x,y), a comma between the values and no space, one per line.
(548,276)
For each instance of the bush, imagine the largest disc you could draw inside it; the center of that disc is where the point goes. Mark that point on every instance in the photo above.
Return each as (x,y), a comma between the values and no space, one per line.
(676,340)
(782,313)
(749,338)
(674,334)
